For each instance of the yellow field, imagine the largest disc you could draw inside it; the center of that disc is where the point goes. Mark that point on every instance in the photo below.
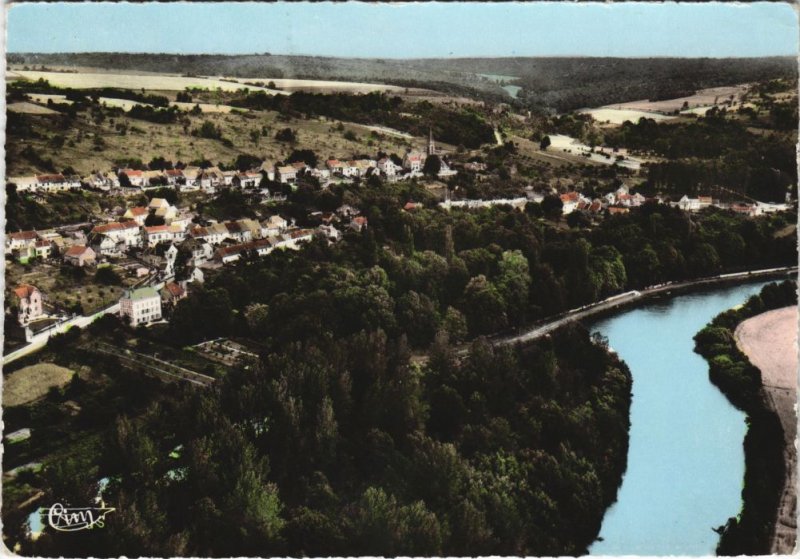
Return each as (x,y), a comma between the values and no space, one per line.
(323,86)
(31,383)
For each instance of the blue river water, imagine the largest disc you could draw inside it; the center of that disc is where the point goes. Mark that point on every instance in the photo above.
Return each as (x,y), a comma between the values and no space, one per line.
(686,461)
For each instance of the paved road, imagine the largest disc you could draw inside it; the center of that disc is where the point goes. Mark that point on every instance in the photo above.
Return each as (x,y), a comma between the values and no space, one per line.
(40,340)
(540,329)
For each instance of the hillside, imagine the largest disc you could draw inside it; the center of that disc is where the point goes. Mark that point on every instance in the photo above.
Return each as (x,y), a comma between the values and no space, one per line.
(551,83)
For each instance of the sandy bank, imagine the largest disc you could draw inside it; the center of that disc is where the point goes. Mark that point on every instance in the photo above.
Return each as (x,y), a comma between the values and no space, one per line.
(770,342)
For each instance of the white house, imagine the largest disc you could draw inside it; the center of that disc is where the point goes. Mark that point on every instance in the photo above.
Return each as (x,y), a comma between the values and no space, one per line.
(285,173)
(29,304)
(140,306)
(273,226)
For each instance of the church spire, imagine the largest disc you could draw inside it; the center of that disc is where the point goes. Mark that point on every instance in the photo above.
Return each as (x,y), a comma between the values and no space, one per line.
(431,146)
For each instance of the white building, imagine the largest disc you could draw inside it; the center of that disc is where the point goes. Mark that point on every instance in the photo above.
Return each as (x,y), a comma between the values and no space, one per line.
(140,306)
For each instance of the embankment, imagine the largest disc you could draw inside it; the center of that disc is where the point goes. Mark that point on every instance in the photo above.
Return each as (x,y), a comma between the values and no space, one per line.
(767,472)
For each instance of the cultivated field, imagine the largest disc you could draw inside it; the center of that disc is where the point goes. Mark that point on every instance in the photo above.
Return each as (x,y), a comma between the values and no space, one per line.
(168,82)
(703,98)
(323,86)
(31,383)
(30,108)
(133,81)
(618,116)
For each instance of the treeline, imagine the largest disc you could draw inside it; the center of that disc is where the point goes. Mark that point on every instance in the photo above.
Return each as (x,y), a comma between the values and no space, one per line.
(342,446)
(462,126)
(750,532)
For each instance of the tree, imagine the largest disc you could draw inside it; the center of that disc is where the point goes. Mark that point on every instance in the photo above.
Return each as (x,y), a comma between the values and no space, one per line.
(286,135)
(107,276)
(545,143)
(552,207)
(432,165)
(484,307)
(513,283)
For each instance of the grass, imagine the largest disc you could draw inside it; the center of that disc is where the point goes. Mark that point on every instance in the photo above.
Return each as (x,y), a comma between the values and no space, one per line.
(145,140)
(33,382)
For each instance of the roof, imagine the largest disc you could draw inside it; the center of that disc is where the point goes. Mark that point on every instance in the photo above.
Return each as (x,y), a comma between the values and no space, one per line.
(50,178)
(23,235)
(174,173)
(141,293)
(360,220)
(24,291)
(569,197)
(157,229)
(137,211)
(174,289)
(108,227)
(286,169)
(132,172)
(77,250)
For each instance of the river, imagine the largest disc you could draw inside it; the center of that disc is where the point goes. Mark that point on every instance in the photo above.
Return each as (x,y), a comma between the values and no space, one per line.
(686,460)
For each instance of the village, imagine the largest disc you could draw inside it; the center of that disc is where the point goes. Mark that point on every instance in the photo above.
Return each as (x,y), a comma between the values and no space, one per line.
(155,251)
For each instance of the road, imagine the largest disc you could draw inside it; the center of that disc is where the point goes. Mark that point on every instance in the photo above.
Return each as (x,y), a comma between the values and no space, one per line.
(40,340)
(540,329)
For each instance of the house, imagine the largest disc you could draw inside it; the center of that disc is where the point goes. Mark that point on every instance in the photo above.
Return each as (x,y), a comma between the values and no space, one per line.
(211,178)
(157,234)
(252,226)
(335,166)
(688,204)
(248,179)
(388,167)
(138,214)
(570,202)
(171,293)
(42,249)
(237,232)
(358,223)
(273,226)
(229,254)
(140,306)
(80,256)
(56,182)
(414,161)
(174,177)
(114,238)
(136,178)
(200,249)
(103,181)
(29,304)
(329,232)
(445,170)
(213,234)
(191,179)
(285,174)
(161,208)
(20,240)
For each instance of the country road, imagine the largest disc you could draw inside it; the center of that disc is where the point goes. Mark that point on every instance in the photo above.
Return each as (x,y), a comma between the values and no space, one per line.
(540,329)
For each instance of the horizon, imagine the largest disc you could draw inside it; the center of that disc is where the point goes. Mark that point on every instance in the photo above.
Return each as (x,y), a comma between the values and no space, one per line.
(412,31)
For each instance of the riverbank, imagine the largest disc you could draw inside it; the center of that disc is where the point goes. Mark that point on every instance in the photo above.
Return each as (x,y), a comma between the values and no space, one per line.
(767,472)
(769,340)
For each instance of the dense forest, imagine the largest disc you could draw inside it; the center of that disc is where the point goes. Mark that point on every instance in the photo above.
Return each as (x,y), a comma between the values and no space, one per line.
(343,447)
(750,532)
(554,83)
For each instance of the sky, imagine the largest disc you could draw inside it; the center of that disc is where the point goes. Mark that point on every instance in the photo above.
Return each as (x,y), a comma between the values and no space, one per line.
(409,30)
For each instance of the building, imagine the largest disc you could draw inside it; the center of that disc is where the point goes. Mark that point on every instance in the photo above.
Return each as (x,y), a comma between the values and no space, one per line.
(138,214)
(123,235)
(140,306)
(171,293)
(273,226)
(29,304)
(56,182)
(80,256)
(136,178)
(20,240)
(414,161)
(285,174)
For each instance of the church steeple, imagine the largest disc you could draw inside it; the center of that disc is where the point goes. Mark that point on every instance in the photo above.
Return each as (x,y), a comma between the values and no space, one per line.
(431,146)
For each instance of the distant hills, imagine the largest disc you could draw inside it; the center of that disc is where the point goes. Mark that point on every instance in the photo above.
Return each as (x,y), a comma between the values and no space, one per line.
(559,83)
